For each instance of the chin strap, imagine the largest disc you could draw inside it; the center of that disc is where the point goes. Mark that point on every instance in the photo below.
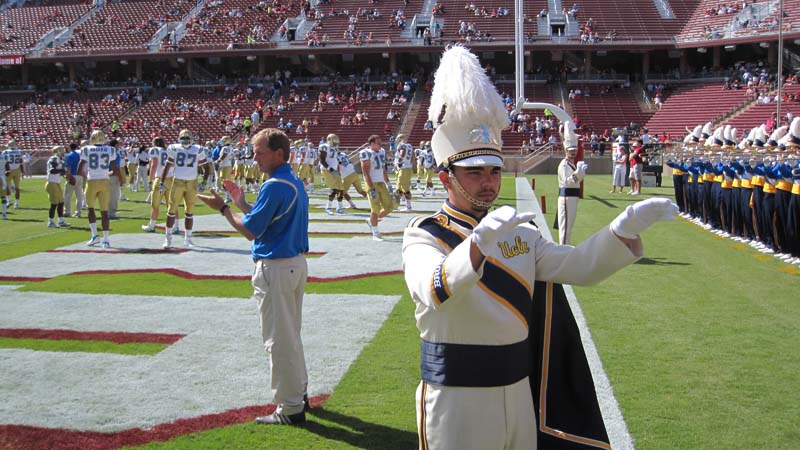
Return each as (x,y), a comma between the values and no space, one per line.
(479,204)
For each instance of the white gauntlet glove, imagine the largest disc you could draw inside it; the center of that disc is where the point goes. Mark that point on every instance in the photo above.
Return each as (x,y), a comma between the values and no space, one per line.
(581,168)
(639,216)
(497,224)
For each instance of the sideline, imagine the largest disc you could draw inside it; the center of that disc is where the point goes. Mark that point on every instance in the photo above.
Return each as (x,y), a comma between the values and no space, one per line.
(618,433)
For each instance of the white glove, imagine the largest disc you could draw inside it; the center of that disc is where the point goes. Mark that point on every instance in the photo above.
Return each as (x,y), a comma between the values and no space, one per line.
(497,224)
(581,168)
(640,215)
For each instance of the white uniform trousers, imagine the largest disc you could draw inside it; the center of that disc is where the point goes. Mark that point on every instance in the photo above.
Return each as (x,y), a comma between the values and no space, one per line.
(278,286)
(567,211)
(77,189)
(476,418)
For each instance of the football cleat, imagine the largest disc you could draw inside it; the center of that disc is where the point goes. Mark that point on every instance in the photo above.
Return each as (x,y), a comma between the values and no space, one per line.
(51,224)
(167,242)
(329,211)
(187,242)
(93,241)
(148,229)
(62,223)
(176,230)
(106,244)
(340,211)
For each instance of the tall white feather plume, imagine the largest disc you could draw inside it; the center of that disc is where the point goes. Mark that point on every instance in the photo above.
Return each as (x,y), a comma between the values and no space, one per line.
(463,90)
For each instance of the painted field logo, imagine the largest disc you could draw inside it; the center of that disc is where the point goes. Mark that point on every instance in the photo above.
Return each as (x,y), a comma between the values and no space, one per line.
(519,247)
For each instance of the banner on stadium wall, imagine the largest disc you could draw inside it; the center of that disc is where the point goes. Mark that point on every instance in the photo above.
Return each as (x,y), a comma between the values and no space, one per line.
(12,60)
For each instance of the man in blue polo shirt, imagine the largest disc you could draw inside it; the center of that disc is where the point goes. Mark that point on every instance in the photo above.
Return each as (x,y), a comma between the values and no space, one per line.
(74,182)
(278,226)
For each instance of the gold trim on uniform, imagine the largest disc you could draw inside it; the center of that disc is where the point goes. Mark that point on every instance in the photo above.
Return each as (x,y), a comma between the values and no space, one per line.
(513,274)
(459,215)
(503,302)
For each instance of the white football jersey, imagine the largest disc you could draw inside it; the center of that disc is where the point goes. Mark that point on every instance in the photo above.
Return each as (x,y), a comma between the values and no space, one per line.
(429,161)
(345,166)
(226,156)
(311,154)
(405,161)
(13,157)
(330,156)
(54,163)
(161,155)
(98,160)
(377,161)
(186,160)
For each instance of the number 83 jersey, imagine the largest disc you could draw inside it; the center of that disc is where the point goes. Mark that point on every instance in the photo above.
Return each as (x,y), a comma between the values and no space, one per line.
(186,160)
(98,160)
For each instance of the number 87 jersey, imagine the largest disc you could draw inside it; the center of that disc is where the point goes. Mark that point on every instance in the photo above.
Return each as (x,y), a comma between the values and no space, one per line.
(186,160)
(98,160)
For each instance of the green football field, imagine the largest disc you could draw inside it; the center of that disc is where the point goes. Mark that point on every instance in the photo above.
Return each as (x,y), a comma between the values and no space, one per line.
(699,339)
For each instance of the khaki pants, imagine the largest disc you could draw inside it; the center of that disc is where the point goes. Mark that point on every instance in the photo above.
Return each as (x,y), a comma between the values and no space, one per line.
(185,190)
(278,286)
(98,190)
(76,189)
(384,200)
(54,192)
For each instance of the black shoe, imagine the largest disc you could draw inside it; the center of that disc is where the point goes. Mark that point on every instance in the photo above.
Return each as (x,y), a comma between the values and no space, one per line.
(282,419)
(306,404)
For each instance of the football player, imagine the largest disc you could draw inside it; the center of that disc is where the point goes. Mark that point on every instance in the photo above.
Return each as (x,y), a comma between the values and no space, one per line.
(304,171)
(329,167)
(158,160)
(404,168)
(55,171)
(349,178)
(97,159)
(429,164)
(373,166)
(186,158)
(418,154)
(3,186)
(15,170)
(225,163)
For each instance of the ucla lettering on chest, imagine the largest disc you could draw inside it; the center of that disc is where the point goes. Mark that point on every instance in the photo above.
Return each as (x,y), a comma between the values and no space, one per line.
(519,247)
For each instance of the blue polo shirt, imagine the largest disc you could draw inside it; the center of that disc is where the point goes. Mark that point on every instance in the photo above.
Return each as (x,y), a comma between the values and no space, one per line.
(72,160)
(279,218)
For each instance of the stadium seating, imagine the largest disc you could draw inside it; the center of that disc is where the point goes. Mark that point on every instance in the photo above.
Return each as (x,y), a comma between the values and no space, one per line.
(329,121)
(48,122)
(615,109)
(337,15)
(127,24)
(23,27)
(756,113)
(184,108)
(221,23)
(491,26)
(637,20)
(692,105)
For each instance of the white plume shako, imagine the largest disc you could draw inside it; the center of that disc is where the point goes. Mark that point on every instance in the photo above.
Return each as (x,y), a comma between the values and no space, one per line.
(793,139)
(569,135)
(468,114)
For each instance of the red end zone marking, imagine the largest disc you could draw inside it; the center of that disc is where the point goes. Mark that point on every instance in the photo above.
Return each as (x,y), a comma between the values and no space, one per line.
(108,336)
(23,437)
(310,233)
(138,251)
(21,279)
(192,276)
